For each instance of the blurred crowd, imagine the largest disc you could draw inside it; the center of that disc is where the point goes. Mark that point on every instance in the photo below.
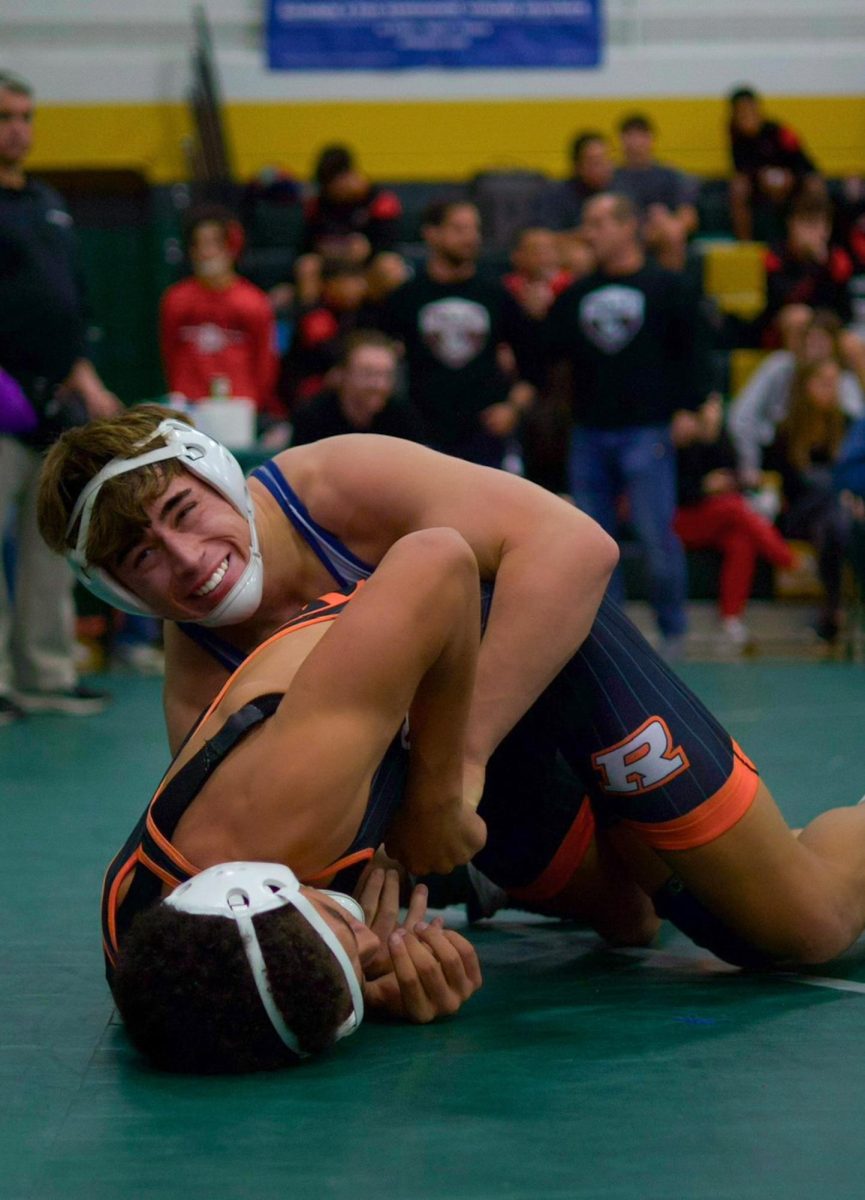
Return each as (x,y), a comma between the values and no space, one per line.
(559,329)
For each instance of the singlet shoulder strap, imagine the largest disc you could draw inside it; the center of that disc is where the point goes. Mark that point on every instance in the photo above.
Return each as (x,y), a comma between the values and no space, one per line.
(345,566)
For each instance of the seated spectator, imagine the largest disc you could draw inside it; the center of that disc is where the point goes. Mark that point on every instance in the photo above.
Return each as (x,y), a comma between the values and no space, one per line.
(770,167)
(537,277)
(362,398)
(216,326)
(764,402)
(665,198)
(321,330)
(350,219)
(560,205)
(806,446)
(713,514)
(804,273)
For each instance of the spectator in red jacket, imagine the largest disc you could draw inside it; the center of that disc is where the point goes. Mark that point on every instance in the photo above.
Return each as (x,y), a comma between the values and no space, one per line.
(349,219)
(770,165)
(216,325)
(806,273)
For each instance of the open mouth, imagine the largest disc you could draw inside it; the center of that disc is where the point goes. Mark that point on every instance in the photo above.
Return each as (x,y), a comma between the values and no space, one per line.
(213,582)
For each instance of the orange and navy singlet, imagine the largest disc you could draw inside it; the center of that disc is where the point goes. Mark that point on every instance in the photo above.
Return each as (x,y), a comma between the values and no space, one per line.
(615,737)
(149,857)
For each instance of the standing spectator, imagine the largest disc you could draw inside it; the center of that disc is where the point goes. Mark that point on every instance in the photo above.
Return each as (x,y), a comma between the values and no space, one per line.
(626,346)
(454,324)
(350,219)
(806,272)
(714,515)
(769,163)
(560,205)
(362,397)
(806,447)
(665,198)
(41,350)
(216,325)
(764,401)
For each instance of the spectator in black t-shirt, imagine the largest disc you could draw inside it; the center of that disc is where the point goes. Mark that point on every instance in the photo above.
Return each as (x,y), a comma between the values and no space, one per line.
(627,351)
(349,219)
(665,198)
(41,349)
(805,273)
(459,330)
(362,399)
(771,167)
(560,205)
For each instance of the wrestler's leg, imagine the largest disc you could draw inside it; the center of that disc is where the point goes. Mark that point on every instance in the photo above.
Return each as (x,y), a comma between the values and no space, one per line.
(603,893)
(799,899)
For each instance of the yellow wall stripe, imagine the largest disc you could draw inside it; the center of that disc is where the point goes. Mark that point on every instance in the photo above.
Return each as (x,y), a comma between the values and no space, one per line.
(429,139)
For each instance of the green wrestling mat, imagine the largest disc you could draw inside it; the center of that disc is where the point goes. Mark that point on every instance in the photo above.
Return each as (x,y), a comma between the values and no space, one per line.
(576,1072)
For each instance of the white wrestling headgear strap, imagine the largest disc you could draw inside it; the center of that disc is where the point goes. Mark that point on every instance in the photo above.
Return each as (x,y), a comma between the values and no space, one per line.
(213,464)
(242,890)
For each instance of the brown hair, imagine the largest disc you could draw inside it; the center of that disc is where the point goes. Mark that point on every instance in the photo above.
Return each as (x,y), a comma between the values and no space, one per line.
(120,514)
(366,337)
(808,428)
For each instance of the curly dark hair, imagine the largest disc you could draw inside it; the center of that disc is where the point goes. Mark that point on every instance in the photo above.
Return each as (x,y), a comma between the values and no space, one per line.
(185,991)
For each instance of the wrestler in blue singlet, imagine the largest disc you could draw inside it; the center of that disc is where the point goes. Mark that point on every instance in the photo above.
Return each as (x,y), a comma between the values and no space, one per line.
(615,737)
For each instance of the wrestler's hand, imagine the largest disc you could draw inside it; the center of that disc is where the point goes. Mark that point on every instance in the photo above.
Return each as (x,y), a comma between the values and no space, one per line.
(430,840)
(434,972)
(378,894)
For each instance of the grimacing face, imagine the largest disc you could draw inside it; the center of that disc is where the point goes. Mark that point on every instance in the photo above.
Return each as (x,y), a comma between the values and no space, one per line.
(191,555)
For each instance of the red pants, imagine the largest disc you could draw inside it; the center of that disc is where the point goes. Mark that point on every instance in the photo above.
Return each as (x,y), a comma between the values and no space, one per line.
(728,524)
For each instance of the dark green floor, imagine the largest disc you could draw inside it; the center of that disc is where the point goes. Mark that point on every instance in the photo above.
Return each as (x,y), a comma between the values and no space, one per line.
(576,1071)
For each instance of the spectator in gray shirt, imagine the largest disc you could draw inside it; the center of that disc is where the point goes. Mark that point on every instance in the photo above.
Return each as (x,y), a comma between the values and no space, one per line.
(763,403)
(665,198)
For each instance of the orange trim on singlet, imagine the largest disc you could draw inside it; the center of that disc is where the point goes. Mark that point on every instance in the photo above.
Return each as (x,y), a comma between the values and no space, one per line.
(335,599)
(341,864)
(710,819)
(567,859)
(170,849)
(160,872)
(338,598)
(112,895)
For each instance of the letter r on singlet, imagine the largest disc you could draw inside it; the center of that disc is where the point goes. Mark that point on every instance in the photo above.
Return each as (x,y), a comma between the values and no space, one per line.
(646,759)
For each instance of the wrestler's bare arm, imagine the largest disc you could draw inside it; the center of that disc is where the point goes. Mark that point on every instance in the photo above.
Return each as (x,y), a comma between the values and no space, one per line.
(296,790)
(551,562)
(192,679)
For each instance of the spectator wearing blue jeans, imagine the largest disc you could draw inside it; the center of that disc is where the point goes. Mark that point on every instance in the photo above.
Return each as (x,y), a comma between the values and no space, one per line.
(627,350)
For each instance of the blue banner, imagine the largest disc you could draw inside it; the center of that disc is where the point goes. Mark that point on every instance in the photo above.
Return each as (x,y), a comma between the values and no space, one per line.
(386,35)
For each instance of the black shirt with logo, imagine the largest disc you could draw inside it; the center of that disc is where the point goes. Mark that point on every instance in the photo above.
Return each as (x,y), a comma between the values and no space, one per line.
(451,332)
(635,344)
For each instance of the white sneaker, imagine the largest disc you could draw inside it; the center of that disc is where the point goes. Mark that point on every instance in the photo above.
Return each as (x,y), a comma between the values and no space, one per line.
(733,634)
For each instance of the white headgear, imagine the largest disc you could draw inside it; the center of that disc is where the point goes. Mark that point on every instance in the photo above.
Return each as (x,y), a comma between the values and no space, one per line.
(212,463)
(242,890)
